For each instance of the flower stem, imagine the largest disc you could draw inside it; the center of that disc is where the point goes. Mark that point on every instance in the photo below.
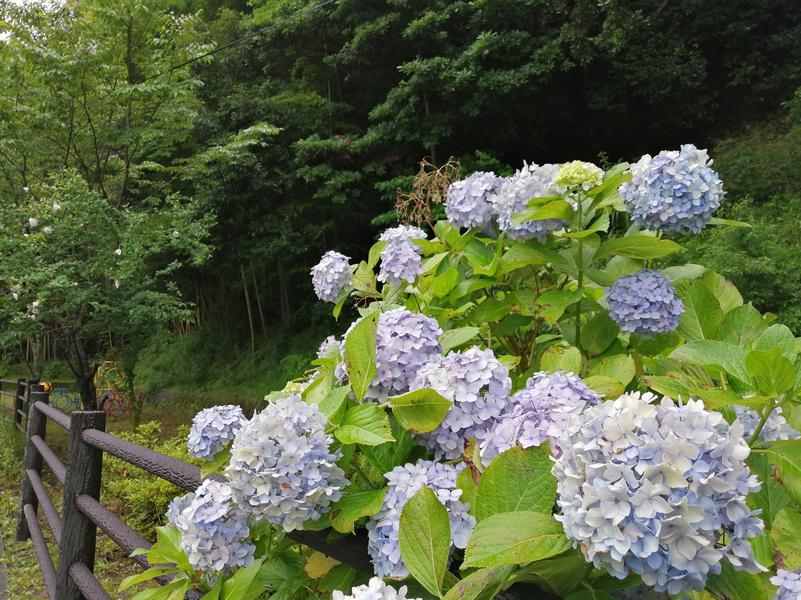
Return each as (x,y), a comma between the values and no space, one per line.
(579,274)
(767,409)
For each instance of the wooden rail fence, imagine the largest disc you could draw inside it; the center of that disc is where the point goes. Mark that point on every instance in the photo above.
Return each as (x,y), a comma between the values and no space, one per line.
(75,529)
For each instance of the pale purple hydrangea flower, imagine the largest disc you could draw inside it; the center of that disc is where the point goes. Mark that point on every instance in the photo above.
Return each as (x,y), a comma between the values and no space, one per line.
(673,191)
(282,468)
(537,413)
(214,532)
(402,233)
(789,584)
(776,427)
(376,589)
(658,490)
(644,303)
(513,195)
(468,202)
(400,261)
(331,275)
(404,482)
(329,347)
(213,429)
(478,385)
(405,341)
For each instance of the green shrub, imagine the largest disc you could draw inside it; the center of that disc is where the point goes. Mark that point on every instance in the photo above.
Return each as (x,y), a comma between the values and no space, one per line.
(141,499)
(11,446)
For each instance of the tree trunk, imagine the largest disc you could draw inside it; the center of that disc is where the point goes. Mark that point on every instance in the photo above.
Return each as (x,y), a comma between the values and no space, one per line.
(136,402)
(250,312)
(84,371)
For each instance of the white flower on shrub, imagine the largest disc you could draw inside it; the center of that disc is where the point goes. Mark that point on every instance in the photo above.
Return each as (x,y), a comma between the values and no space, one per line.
(213,429)
(374,590)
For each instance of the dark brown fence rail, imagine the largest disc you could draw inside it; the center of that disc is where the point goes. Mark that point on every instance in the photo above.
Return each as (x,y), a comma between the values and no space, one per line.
(17,392)
(75,529)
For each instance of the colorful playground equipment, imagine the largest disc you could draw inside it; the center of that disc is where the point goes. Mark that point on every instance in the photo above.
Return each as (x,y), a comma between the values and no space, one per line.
(113,396)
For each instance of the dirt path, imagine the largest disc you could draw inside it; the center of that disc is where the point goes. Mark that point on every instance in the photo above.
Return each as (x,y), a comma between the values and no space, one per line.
(3,580)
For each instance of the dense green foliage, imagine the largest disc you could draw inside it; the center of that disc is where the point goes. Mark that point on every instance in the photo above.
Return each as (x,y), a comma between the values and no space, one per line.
(297,133)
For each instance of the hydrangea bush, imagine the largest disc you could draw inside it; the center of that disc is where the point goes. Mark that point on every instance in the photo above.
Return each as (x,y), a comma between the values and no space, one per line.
(531,399)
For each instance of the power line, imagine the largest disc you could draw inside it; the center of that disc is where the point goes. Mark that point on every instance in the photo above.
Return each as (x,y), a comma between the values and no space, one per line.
(245,38)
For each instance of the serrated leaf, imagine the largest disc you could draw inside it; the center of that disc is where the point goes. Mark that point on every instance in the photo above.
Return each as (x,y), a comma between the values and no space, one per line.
(774,374)
(608,387)
(425,539)
(618,366)
(723,289)
(453,338)
(702,314)
(561,358)
(360,354)
(353,506)
(420,411)
(476,585)
(786,455)
(514,538)
(785,538)
(552,304)
(742,325)
(771,497)
(319,564)
(333,405)
(637,246)
(725,356)
(518,479)
(737,585)
(365,424)
(557,209)
(147,575)
(237,586)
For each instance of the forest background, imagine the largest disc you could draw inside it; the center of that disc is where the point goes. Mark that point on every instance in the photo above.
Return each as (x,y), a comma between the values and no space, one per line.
(274,130)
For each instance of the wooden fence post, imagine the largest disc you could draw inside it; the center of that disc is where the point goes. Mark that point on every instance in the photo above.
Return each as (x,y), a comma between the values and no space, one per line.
(78,533)
(18,402)
(37,424)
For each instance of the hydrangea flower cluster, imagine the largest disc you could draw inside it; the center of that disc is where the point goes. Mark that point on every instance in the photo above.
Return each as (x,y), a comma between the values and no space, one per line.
(477,384)
(401,258)
(789,584)
(579,174)
(776,427)
(282,469)
(374,590)
(330,346)
(405,341)
(404,482)
(514,193)
(331,275)
(214,532)
(213,429)
(644,303)
(673,191)
(651,488)
(538,412)
(468,202)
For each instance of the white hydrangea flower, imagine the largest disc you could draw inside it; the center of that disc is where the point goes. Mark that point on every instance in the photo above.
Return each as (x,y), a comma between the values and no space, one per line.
(213,429)
(376,589)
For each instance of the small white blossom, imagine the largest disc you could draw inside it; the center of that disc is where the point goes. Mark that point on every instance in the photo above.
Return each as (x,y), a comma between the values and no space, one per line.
(118,252)
(376,589)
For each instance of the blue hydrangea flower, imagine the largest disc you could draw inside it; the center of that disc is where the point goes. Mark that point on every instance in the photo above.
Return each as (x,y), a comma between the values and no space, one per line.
(213,429)
(513,195)
(214,532)
(376,589)
(644,303)
(673,191)
(789,584)
(468,202)
(331,275)
(404,482)
(405,341)
(776,427)
(282,469)
(477,384)
(537,413)
(658,490)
